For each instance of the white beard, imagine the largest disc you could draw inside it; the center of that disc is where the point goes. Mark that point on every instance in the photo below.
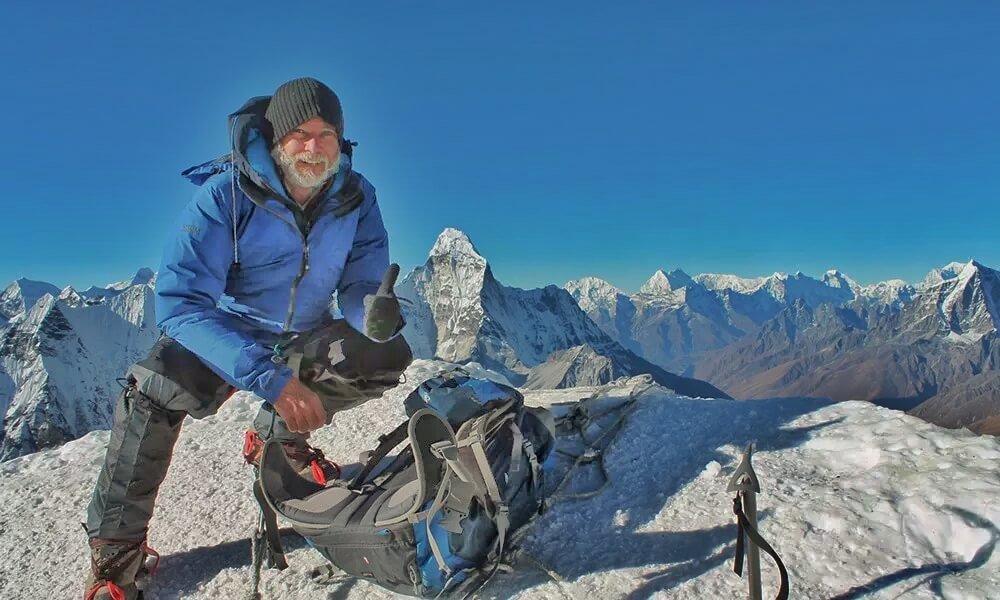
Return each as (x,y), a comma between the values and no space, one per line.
(286,162)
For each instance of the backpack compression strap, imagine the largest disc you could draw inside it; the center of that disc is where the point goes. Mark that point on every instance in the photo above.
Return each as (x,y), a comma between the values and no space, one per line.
(469,474)
(276,553)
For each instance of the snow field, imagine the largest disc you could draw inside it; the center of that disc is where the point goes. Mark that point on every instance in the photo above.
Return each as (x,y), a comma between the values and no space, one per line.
(852,495)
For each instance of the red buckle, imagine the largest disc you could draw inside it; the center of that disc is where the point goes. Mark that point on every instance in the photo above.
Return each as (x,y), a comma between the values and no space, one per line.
(252,445)
(318,473)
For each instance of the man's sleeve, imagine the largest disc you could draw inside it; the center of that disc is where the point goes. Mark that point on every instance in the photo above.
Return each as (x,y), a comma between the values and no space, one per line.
(192,277)
(366,263)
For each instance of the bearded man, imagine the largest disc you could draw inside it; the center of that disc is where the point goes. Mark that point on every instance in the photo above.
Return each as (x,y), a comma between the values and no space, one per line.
(243,295)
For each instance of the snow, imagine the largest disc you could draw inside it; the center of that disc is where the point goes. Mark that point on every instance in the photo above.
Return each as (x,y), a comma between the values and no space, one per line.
(945,273)
(720,282)
(965,303)
(892,292)
(592,293)
(60,360)
(452,241)
(835,279)
(22,294)
(144,276)
(665,283)
(852,495)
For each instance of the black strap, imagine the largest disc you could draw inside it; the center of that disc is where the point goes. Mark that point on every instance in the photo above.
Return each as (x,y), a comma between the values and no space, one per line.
(386,444)
(746,528)
(271,531)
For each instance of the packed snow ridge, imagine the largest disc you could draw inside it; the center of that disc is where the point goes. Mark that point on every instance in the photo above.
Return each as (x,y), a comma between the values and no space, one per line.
(859,501)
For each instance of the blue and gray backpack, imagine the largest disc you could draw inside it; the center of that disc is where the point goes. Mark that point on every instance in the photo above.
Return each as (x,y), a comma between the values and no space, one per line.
(439,516)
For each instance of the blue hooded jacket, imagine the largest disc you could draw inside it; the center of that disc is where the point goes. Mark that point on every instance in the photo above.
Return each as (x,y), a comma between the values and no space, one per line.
(245,263)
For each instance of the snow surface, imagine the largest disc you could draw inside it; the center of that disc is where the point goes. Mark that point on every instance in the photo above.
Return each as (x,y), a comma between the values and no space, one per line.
(939,276)
(859,501)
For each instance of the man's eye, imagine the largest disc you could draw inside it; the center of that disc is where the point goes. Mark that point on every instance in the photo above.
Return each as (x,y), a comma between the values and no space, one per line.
(327,133)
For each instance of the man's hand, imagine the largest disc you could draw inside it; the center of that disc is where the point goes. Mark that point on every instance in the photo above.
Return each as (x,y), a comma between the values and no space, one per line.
(382,311)
(300,407)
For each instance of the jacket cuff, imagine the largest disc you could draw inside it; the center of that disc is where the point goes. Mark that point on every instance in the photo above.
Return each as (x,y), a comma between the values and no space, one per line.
(270,385)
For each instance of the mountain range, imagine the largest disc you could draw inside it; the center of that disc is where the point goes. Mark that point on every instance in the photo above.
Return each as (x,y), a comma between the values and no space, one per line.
(930,348)
(60,354)
(61,351)
(457,311)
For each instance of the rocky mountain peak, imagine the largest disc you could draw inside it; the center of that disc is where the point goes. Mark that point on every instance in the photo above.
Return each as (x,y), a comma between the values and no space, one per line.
(945,273)
(662,283)
(964,305)
(591,285)
(836,279)
(22,294)
(70,296)
(144,276)
(455,243)
(592,292)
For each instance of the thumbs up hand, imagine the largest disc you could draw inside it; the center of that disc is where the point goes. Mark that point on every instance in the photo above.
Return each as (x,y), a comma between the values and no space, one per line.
(382,312)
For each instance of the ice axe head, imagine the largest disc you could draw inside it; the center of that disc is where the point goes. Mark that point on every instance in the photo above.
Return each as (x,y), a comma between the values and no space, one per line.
(744,479)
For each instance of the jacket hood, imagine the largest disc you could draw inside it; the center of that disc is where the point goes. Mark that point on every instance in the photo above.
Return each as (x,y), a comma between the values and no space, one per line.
(258,175)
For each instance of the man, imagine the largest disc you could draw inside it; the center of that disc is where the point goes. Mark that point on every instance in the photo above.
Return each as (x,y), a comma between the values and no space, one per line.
(242,296)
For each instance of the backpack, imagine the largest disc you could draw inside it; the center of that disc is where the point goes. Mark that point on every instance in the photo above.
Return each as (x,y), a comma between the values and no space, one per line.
(440,516)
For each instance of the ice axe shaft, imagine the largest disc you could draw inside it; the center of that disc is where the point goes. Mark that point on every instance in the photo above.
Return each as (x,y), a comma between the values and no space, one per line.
(753,552)
(744,482)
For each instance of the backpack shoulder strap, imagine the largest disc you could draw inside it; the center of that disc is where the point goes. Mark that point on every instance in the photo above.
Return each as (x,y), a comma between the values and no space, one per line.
(426,429)
(386,443)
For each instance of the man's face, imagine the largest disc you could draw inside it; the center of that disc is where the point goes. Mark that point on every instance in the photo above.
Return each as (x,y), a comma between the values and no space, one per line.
(309,154)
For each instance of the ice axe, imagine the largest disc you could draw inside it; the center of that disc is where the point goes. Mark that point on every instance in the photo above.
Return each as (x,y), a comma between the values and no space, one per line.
(382,312)
(744,483)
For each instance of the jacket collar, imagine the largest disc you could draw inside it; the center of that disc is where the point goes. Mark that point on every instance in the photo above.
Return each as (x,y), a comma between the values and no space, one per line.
(258,175)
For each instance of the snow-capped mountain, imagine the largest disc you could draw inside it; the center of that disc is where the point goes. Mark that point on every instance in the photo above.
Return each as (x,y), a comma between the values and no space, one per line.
(937,276)
(671,319)
(677,319)
(144,276)
(458,311)
(784,335)
(22,295)
(893,293)
(612,310)
(663,284)
(963,307)
(59,360)
(940,351)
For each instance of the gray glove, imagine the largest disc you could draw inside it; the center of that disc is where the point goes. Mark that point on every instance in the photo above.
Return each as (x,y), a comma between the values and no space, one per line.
(382,312)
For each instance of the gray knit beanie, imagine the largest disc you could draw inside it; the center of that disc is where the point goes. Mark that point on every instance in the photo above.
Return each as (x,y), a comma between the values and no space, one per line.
(299,100)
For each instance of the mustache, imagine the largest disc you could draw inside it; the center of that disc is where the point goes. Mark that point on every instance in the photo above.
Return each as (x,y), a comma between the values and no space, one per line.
(314,158)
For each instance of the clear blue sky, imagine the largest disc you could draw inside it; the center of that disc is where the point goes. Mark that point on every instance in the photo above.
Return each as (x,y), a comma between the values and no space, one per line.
(566,138)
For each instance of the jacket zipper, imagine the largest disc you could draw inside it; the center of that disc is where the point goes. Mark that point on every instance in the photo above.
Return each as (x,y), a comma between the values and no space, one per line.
(303,267)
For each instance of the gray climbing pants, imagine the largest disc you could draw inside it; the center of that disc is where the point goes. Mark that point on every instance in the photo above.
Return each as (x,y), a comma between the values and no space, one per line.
(172,383)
